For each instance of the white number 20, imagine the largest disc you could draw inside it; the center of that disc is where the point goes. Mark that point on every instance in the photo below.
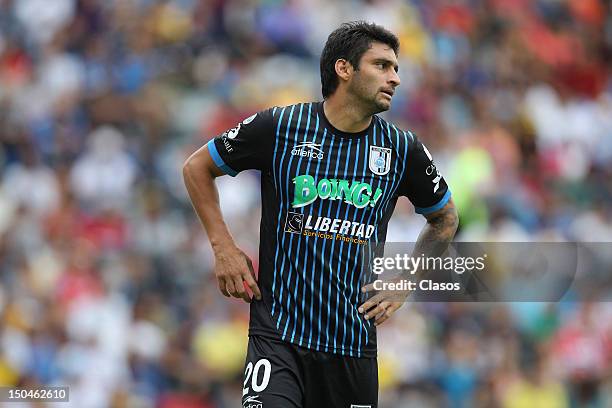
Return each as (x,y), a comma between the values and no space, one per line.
(250,369)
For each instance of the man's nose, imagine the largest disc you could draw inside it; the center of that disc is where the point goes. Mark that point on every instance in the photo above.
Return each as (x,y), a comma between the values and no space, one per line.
(394,79)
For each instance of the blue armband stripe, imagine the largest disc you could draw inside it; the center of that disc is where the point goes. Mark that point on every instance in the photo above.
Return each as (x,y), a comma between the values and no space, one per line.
(212,149)
(434,207)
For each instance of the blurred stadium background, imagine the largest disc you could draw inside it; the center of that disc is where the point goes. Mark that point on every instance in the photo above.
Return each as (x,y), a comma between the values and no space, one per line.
(106,279)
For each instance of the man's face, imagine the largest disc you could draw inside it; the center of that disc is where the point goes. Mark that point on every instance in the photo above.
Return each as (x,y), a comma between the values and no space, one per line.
(376,79)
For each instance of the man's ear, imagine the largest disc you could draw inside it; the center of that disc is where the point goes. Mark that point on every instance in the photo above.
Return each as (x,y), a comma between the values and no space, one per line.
(344,69)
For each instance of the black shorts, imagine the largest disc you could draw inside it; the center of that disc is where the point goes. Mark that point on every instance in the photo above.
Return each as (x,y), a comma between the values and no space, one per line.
(282,375)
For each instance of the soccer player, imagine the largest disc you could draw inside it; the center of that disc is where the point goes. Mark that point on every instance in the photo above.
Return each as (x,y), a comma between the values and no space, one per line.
(331,173)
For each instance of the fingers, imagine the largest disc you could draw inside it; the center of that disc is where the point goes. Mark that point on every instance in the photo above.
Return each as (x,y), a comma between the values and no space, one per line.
(232,275)
(368,288)
(239,290)
(380,319)
(371,302)
(229,285)
(249,278)
(380,308)
(222,288)
(233,288)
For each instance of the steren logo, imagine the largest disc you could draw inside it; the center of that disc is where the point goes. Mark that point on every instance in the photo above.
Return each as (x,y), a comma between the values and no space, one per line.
(308,149)
(355,193)
(252,402)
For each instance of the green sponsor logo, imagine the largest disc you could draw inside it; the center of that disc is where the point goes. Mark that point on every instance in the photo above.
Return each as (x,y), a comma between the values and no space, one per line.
(356,193)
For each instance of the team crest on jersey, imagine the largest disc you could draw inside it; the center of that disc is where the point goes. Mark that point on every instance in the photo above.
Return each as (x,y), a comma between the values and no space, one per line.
(379,160)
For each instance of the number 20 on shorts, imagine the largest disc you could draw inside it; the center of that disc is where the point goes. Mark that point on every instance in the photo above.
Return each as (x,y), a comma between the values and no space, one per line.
(252,372)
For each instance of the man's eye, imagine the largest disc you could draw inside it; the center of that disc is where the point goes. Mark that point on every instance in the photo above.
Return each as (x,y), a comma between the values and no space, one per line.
(380,65)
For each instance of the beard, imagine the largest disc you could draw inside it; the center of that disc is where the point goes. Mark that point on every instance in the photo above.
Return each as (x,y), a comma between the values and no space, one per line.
(368,99)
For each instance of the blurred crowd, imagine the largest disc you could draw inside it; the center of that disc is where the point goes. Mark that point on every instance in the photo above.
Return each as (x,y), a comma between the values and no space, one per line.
(106,276)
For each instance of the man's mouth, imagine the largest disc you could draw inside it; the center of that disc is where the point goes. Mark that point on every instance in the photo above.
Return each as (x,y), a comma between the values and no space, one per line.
(388,92)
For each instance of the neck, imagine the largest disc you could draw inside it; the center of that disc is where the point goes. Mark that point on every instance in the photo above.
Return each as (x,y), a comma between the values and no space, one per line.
(346,114)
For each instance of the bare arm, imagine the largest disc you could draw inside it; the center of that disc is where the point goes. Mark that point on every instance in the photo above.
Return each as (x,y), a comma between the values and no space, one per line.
(439,231)
(433,241)
(232,265)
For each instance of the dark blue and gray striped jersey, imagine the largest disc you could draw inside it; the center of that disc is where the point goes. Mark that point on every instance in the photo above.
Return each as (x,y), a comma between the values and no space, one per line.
(325,194)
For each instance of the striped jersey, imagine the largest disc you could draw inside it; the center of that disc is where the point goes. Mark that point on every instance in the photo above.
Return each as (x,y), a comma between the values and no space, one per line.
(325,194)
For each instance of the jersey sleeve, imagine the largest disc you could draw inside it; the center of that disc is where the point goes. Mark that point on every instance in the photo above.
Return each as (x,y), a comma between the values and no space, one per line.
(245,146)
(422,183)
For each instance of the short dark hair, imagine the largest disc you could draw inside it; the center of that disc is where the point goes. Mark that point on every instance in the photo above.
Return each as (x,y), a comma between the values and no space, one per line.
(350,41)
